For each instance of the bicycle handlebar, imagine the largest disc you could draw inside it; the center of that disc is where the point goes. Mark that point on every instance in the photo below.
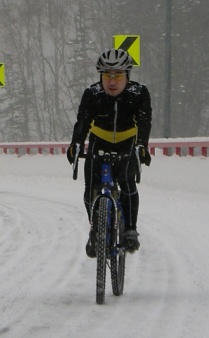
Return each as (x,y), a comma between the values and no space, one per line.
(75,163)
(108,156)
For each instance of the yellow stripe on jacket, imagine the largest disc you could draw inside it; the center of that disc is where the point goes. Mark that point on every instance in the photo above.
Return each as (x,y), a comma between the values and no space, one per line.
(113,136)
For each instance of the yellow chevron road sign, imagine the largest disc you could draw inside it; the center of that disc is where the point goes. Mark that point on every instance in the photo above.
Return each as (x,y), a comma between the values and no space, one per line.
(131,44)
(2,83)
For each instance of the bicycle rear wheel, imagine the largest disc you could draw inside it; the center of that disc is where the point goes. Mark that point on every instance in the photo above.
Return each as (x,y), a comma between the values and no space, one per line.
(118,260)
(103,219)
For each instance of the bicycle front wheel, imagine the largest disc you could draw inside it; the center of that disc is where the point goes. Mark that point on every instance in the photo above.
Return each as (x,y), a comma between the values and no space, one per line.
(103,219)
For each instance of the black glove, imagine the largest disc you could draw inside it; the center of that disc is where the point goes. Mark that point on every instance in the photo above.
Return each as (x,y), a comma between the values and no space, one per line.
(144,155)
(71,152)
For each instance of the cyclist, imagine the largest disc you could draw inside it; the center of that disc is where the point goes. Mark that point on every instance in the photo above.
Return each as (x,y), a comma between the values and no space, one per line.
(116,114)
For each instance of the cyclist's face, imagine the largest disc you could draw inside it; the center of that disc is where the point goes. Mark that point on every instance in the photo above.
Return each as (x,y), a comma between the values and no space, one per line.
(114,82)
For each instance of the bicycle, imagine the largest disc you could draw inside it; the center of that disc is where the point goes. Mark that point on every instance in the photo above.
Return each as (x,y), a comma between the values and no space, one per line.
(107,226)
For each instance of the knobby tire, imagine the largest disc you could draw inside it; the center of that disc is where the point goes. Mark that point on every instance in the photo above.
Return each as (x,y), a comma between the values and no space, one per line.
(101,250)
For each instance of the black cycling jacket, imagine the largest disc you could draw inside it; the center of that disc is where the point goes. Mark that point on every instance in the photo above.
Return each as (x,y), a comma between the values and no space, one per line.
(133,109)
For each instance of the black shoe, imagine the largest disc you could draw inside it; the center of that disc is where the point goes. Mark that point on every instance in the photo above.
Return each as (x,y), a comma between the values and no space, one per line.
(131,240)
(90,250)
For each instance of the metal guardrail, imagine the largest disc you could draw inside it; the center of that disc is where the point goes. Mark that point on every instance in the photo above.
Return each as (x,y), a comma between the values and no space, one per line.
(167,147)
(180,148)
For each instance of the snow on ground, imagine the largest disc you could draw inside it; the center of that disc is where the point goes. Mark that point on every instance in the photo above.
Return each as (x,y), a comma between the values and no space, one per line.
(47,284)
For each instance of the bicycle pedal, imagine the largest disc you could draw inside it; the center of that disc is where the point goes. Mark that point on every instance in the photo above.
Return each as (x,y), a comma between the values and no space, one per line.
(132,245)
(130,249)
(90,250)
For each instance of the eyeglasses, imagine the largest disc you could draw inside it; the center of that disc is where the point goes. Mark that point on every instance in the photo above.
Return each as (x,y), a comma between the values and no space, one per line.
(115,76)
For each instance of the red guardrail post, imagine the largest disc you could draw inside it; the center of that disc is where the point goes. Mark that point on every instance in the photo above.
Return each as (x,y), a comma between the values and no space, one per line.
(178,151)
(191,151)
(152,151)
(204,151)
(165,151)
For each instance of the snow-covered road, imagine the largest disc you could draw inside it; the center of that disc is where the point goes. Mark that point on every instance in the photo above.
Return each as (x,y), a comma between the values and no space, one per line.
(47,284)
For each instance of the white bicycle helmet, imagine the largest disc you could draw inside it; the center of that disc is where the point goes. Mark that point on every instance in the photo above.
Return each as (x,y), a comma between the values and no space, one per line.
(114,59)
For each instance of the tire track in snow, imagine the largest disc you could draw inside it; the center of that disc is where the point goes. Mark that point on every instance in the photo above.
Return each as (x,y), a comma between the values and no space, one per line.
(39,251)
(172,288)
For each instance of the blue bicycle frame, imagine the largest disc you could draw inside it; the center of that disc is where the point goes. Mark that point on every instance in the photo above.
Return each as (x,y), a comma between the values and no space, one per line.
(110,190)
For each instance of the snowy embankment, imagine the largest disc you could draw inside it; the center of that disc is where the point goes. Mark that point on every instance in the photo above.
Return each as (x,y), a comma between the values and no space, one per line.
(47,284)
